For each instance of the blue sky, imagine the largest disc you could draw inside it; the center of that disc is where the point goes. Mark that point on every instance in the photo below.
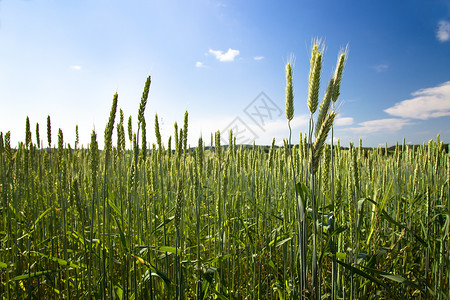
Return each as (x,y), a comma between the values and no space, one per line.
(224,62)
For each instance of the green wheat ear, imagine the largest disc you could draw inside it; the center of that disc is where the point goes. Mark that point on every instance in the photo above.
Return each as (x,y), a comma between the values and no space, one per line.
(314,51)
(185,131)
(77,139)
(38,142)
(144,139)
(94,159)
(175,127)
(180,143)
(8,150)
(314,78)
(271,153)
(143,100)
(120,134)
(200,157)
(289,93)
(338,74)
(217,143)
(158,133)
(135,148)
(320,140)
(130,130)
(325,105)
(27,133)
(60,146)
(49,132)
(110,126)
(169,146)
(230,141)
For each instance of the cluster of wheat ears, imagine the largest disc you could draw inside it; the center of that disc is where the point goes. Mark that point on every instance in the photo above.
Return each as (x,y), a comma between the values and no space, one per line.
(309,220)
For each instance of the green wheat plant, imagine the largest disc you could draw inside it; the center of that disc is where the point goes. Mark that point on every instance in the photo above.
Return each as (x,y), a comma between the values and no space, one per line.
(323,124)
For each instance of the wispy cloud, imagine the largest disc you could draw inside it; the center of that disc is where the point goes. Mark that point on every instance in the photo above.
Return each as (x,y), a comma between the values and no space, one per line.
(258,57)
(279,126)
(373,126)
(224,57)
(426,104)
(221,4)
(443,32)
(381,67)
(343,121)
(278,129)
(199,64)
(75,67)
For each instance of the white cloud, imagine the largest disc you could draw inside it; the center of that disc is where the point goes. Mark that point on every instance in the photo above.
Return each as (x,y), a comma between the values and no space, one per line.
(75,67)
(426,103)
(221,4)
(279,129)
(381,67)
(443,32)
(258,57)
(390,125)
(343,121)
(278,125)
(299,121)
(199,64)
(227,56)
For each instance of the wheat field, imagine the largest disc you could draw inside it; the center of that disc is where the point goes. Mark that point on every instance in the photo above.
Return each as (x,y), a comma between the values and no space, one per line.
(308,220)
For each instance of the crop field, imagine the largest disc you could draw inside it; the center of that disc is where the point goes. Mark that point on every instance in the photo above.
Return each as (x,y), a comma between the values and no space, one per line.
(308,220)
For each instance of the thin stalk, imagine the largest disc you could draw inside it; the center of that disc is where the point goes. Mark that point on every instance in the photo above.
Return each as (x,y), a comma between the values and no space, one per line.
(300,216)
